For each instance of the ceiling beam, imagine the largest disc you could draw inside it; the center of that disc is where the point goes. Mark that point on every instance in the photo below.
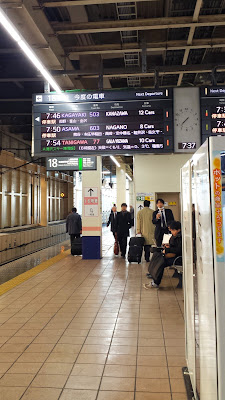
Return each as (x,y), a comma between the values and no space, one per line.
(72,3)
(198,6)
(140,24)
(11,4)
(163,70)
(12,100)
(114,49)
(190,37)
(19,50)
(6,80)
(19,85)
(40,28)
(15,114)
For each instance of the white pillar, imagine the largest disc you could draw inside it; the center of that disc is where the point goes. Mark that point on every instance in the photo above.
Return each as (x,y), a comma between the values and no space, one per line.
(131,193)
(92,212)
(121,185)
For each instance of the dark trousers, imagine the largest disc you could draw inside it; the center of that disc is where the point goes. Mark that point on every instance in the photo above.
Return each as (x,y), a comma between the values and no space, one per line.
(72,237)
(160,238)
(147,252)
(167,263)
(123,244)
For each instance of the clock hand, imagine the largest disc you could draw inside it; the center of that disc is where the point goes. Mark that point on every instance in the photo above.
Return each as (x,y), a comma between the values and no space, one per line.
(185,121)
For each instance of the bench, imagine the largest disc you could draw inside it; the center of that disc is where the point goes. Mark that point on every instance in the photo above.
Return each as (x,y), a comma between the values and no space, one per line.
(178,273)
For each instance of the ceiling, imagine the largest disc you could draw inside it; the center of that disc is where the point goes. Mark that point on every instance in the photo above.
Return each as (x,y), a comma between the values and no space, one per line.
(90,44)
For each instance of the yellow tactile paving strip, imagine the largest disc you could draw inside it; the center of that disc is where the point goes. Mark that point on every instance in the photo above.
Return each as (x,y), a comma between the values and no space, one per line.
(12,283)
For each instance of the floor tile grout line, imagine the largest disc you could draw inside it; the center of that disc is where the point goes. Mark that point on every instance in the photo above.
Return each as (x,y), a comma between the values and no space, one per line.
(125,284)
(39,332)
(30,302)
(174,288)
(17,287)
(32,272)
(65,328)
(99,309)
(35,255)
(7,293)
(138,333)
(65,242)
(171,394)
(89,332)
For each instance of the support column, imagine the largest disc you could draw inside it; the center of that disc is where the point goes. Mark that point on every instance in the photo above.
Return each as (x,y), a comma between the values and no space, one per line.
(44,201)
(131,194)
(92,213)
(121,185)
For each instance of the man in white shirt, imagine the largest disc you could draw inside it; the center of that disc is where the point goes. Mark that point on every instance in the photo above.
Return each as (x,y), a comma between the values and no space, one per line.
(161,218)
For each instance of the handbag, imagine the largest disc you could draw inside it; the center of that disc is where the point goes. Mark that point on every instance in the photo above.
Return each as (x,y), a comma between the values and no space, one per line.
(116,245)
(156,265)
(116,248)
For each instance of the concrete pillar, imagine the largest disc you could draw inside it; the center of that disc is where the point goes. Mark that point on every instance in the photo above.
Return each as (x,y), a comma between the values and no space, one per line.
(131,194)
(92,212)
(121,185)
(44,201)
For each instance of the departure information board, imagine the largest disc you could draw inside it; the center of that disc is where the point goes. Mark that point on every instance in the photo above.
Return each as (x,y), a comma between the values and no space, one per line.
(113,121)
(212,111)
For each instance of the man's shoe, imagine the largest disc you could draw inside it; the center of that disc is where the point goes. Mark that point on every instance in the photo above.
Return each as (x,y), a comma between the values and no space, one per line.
(150,285)
(153,285)
(147,260)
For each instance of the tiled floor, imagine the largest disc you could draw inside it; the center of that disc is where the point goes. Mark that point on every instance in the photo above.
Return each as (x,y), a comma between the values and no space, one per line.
(14,268)
(87,330)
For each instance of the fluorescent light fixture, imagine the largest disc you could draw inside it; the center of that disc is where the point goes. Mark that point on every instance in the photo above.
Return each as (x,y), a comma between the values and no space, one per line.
(115,161)
(106,172)
(128,177)
(12,31)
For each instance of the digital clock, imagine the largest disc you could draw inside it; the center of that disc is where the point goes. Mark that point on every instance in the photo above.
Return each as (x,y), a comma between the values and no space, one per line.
(187,145)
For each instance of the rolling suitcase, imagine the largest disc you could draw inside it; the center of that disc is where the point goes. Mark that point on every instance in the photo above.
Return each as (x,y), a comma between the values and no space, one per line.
(135,249)
(76,247)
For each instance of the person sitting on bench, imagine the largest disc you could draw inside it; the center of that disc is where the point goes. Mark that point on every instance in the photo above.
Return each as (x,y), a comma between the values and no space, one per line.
(170,252)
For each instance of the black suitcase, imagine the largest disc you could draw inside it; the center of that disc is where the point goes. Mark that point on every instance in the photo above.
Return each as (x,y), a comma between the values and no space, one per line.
(135,249)
(76,247)
(135,254)
(137,241)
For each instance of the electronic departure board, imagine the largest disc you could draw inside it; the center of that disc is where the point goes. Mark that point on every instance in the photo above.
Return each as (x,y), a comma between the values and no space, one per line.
(113,121)
(213,111)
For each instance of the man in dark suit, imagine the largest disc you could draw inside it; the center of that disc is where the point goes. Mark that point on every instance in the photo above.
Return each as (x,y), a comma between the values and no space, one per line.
(161,217)
(73,225)
(123,224)
(112,220)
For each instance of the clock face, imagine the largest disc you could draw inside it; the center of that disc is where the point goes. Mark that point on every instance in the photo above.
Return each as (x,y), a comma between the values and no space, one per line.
(186,119)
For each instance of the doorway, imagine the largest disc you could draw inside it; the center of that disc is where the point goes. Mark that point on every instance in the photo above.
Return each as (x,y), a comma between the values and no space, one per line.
(172,201)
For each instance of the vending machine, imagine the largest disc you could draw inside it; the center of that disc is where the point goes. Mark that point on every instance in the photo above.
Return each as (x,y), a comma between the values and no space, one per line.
(203,226)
